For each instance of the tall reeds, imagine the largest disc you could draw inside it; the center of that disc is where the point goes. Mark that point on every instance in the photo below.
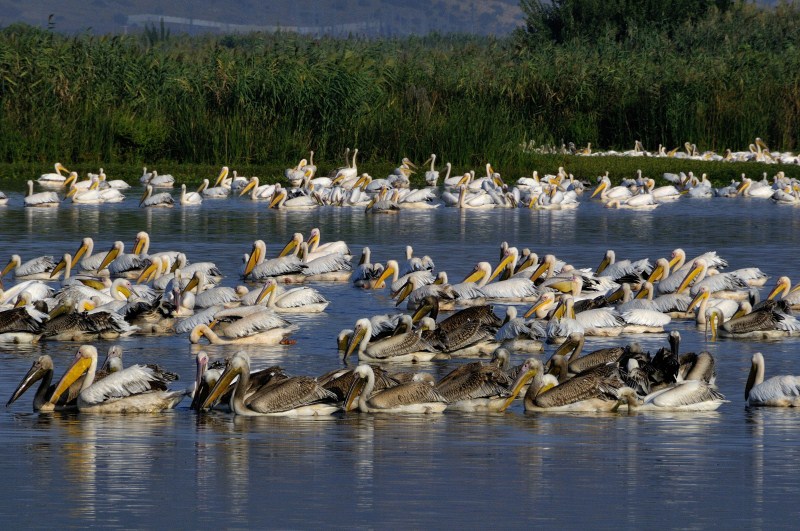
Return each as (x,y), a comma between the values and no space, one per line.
(258,99)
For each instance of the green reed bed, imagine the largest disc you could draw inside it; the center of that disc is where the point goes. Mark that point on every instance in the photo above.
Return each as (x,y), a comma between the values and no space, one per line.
(261,100)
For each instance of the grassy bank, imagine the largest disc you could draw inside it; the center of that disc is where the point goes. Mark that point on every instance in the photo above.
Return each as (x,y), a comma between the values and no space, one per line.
(261,99)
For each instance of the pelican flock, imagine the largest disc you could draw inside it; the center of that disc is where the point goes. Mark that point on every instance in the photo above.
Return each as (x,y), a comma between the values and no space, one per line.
(543,310)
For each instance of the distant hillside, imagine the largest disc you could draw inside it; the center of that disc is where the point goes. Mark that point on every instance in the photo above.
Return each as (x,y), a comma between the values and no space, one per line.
(333,17)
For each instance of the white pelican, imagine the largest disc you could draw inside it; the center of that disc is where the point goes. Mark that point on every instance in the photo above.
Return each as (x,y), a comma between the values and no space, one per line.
(392,269)
(298,300)
(263,327)
(691,395)
(411,397)
(219,190)
(511,290)
(295,396)
(163,199)
(285,267)
(722,285)
(257,192)
(39,268)
(608,193)
(136,389)
(208,294)
(53,180)
(116,184)
(760,189)
(160,181)
(190,198)
(89,195)
(281,201)
(41,199)
(778,391)
(349,172)
(432,176)
(783,286)
(702,301)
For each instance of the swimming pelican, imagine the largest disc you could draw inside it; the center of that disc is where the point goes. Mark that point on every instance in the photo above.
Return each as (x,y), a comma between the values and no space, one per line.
(161,200)
(41,199)
(412,397)
(594,390)
(609,193)
(218,191)
(778,391)
(407,346)
(392,269)
(693,395)
(261,328)
(783,286)
(768,322)
(298,300)
(296,396)
(54,180)
(39,268)
(191,198)
(257,268)
(21,324)
(160,181)
(723,285)
(511,290)
(136,389)
(257,192)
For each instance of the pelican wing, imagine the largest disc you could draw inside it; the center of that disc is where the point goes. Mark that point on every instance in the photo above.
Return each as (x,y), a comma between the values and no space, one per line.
(127,262)
(205,317)
(42,198)
(130,381)
(774,388)
(255,323)
(300,297)
(422,278)
(289,394)
(520,328)
(42,264)
(513,288)
(25,319)
(160,199)
(721,282)
(599,318)
(600,382)
(286,265)
(327,264)
(485,382)
(215,296)
(406,394)
(686,394)
(646,318)
(397,346)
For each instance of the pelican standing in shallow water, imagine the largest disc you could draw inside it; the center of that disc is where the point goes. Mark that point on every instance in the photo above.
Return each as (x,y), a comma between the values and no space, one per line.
(137,389)
(295,396)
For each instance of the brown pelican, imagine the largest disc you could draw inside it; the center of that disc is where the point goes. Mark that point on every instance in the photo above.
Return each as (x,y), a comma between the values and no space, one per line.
(593,390)
(136,389)
(407,346)
(295,396)
(160,200)
(258,326)
(412,397)
(298,300)
(768,322)
(22,324)
(778,391)
(68,325)
(339,381)
(41,370)
(39,268)
(475,387)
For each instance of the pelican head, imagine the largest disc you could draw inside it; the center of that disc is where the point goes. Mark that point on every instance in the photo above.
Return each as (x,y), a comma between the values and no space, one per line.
(783,285)
(362,374)
(115,251)
(15,261)
(85,359)
(295,242)
(529,369)
(698,267)
(38,370)
(360,332)
(238,364)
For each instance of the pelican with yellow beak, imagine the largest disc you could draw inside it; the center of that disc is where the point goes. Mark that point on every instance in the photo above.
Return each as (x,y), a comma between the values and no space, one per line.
(258,326)
(298,300)
(283,268)
(514,289)
(159,200)
(299,396)
(55,180)
(136,389)
(39,268)
(407,346)
(259,193)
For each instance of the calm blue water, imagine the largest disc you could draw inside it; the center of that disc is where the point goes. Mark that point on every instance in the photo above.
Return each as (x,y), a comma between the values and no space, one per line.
(730,468)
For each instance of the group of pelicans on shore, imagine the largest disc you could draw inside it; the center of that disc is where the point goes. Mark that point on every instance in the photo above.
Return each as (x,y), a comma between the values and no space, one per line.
(567,305)
(345,187)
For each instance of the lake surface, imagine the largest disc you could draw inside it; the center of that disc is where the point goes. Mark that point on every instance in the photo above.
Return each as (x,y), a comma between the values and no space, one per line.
(730,468)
